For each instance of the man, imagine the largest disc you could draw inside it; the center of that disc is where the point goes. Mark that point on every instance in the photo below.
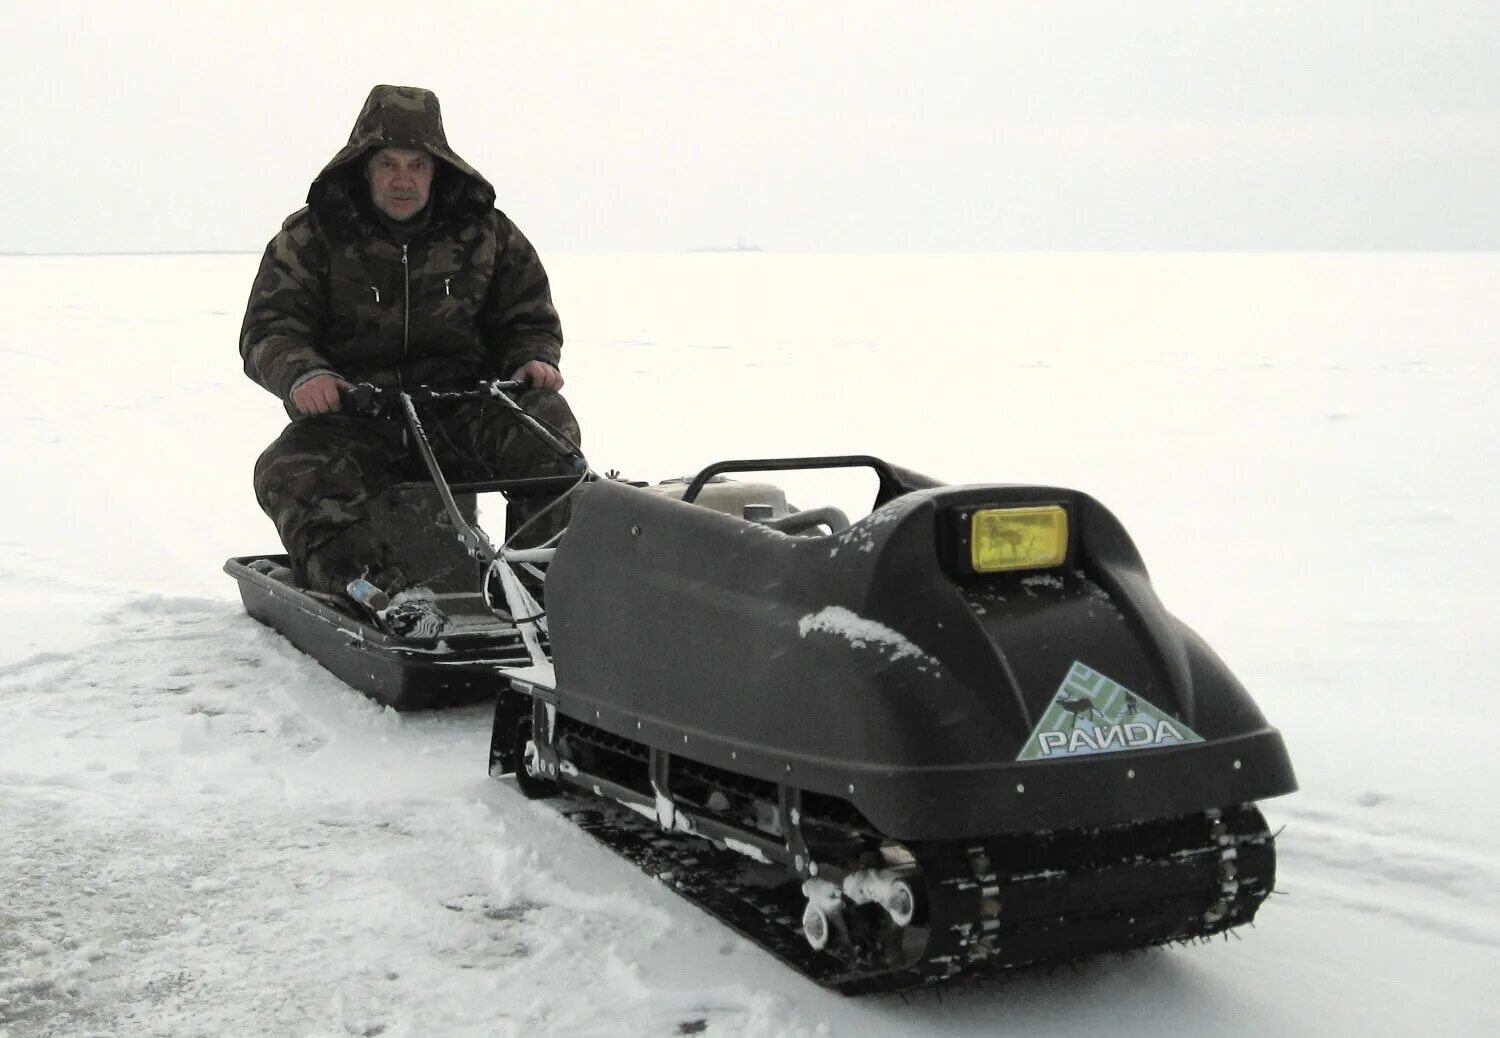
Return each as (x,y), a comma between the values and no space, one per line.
(398,272)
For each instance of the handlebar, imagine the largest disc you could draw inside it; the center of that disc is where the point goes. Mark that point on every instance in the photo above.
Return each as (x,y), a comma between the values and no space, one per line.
(371,400)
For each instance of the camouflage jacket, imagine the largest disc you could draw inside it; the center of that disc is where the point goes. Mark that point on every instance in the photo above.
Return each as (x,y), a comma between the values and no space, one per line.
(464,298)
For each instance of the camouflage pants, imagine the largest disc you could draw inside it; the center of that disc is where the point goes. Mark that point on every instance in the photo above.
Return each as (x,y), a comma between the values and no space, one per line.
(318,480)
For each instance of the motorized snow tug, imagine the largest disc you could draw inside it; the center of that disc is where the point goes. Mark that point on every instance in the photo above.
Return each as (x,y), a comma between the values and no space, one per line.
(956,736)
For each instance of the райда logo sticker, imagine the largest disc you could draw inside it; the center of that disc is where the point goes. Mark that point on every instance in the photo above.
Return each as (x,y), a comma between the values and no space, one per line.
(1092,714)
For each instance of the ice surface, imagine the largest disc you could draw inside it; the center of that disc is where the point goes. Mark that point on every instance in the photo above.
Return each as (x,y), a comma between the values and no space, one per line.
(201,832)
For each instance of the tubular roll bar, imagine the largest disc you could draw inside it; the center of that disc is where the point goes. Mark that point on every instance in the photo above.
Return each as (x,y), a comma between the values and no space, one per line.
(891,484)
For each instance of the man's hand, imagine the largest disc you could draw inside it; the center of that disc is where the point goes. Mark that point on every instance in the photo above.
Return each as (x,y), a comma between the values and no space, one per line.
(319,394)
(540,374)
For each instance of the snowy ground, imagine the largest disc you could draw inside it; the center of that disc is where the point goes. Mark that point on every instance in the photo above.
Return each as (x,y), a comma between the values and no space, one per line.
(202,833)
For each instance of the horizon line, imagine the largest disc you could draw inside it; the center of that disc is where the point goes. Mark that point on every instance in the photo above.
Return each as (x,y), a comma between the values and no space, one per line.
(732,251)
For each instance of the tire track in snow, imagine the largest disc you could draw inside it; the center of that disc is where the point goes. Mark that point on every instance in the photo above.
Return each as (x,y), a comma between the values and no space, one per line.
(32,663)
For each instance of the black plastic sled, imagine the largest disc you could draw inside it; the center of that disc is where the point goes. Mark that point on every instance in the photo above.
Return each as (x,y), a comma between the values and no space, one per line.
(402,673)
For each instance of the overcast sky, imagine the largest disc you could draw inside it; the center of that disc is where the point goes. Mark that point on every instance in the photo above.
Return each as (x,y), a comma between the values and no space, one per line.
(839,126)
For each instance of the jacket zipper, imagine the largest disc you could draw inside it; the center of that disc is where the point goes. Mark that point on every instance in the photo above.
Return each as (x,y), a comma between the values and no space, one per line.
(406,304)
(405,308)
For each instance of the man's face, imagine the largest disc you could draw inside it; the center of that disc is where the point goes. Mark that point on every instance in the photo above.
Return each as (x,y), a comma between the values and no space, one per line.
(400,181)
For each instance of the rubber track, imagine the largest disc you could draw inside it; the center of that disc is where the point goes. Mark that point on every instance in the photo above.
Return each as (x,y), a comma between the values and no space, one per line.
(991,905)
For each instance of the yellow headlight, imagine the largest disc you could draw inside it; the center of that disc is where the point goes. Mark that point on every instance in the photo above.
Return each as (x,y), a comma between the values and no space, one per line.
(1002,539)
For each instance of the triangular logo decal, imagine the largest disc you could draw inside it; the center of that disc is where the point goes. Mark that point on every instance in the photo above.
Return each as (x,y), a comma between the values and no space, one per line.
(1092,714)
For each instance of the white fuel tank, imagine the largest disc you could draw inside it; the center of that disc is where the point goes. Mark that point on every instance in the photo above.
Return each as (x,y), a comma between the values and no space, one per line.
(746,500)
